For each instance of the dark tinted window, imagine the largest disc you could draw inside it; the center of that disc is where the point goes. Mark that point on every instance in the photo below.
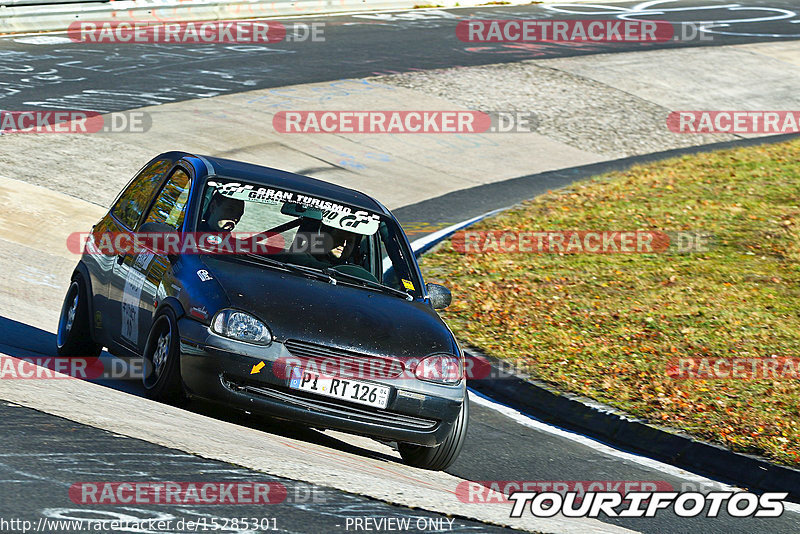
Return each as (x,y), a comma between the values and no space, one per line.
(134,200)
(170,206)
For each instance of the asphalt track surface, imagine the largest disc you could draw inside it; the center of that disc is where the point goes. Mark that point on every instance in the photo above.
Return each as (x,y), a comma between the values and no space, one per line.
(43,470)
(116,77)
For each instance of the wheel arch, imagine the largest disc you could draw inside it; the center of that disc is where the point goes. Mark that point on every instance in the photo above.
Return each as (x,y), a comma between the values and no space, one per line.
(83,271)
(171,303)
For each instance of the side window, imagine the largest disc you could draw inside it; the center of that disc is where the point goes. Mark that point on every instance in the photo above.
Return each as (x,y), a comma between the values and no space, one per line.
(389,276)
(170,206)
(134,200)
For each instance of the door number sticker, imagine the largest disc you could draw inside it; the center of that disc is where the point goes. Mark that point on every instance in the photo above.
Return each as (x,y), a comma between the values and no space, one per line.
(132,294)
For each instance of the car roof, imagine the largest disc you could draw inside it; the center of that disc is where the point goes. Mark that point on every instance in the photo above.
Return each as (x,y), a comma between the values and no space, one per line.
(268,176)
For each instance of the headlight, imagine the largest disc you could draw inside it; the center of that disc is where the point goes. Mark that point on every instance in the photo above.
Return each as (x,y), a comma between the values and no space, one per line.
(442,368)
(242,326)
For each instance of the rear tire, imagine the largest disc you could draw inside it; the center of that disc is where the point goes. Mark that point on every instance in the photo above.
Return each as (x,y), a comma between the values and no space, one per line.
(162,376)
(74,337)
(442,456)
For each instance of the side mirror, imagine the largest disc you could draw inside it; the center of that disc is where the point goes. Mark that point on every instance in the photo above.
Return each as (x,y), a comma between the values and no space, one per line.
(440,296)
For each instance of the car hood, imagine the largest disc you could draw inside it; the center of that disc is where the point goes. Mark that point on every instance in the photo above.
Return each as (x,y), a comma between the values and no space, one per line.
(341,316)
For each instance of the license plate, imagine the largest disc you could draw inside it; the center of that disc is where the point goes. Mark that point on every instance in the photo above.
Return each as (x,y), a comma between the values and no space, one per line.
(340,388)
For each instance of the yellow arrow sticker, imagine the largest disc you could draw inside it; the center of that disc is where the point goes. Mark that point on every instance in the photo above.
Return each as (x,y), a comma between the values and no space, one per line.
(257,368)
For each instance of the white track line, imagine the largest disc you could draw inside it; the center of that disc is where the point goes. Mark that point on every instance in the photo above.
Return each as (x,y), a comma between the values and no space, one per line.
(440,235)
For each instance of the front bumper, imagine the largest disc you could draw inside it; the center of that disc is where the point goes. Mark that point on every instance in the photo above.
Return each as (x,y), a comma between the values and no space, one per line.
(219,369)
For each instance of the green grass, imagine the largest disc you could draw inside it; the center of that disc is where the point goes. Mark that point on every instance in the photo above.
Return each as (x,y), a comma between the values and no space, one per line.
(605,325)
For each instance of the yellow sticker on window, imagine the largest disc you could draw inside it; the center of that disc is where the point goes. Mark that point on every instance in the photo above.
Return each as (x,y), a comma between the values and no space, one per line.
(407,284)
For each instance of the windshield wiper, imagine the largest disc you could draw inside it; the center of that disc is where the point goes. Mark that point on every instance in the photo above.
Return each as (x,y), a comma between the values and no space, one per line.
(329,275)
(308,271)
(333,273)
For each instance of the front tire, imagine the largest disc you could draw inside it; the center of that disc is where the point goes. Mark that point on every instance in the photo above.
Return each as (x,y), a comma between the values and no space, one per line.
(443,455)
(74,337)
(162,378)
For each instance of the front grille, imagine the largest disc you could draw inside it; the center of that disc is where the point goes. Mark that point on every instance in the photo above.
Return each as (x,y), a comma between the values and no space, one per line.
(333,407)
(364,365)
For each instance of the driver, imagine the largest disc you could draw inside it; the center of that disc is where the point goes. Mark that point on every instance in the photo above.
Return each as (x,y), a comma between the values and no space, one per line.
(337,247)
(223,214)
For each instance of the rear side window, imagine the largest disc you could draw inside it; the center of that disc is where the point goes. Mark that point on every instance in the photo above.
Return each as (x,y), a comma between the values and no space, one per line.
(170,206)
(134,200)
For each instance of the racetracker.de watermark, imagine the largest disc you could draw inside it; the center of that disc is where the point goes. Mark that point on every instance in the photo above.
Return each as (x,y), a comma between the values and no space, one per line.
(588,30)
(473,367)
(578,242)
(178,493)
(125,243)
(404,122)
(73,122)
(80,368)
(734,122)
(703,368)
(194,32)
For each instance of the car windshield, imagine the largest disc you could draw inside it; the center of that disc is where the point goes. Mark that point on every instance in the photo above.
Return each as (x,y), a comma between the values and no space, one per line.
(349,244)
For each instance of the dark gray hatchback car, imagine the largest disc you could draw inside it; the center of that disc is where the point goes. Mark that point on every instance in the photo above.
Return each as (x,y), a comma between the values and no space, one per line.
(330,325)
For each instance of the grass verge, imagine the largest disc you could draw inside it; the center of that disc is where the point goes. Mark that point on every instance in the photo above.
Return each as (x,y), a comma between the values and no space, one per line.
(605,325)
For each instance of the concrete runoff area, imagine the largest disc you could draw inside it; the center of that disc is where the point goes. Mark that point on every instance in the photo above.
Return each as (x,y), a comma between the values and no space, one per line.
(400,168)
(34,258)
(632,94)
(616,105)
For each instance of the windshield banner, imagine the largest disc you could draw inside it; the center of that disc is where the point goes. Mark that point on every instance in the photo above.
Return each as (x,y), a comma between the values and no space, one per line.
(300,205)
